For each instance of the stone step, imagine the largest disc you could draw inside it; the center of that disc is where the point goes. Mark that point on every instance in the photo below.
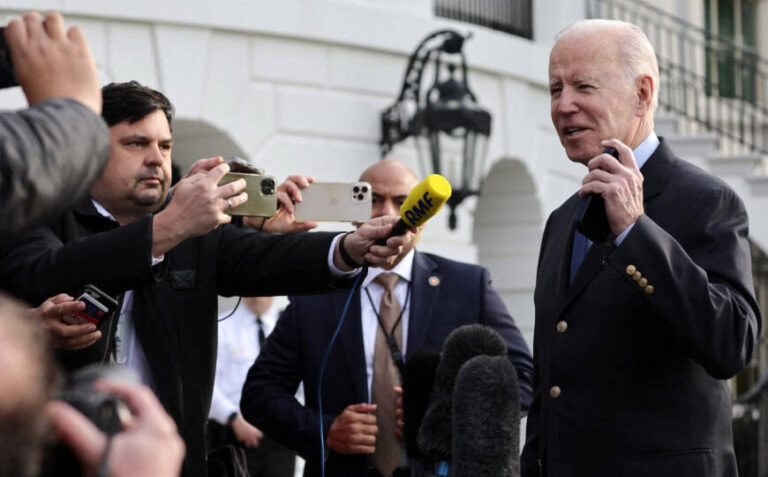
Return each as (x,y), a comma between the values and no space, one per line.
(741,166)
(694,146)
(758,185)
(666,124)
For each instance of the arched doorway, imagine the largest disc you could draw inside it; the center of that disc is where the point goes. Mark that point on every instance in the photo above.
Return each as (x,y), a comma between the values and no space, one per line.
(507,229)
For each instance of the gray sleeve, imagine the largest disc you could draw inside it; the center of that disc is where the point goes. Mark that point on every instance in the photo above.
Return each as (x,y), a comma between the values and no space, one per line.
(50,155)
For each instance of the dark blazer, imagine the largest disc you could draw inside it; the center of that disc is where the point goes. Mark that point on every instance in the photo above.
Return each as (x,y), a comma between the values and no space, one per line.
(460,294)
(175,303)
(641,366)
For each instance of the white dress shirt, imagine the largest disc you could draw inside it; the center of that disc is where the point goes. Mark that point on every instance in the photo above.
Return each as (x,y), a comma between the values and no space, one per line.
(128,349)
(237,350)
(370,321)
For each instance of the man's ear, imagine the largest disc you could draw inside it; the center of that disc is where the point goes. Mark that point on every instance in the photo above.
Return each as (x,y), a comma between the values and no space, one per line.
(645,89)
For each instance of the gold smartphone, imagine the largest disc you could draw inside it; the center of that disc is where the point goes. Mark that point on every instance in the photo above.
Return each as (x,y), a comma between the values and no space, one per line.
(262,197)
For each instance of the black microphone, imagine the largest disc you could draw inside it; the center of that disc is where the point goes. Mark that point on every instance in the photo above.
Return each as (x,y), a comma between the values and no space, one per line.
(592,220)
(462,344)
(418,379)
(486,419)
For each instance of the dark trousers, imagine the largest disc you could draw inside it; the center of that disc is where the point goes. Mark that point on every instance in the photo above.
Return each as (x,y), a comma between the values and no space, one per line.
(270,459)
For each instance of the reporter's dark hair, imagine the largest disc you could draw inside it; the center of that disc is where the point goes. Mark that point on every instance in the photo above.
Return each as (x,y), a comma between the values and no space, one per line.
(132,102)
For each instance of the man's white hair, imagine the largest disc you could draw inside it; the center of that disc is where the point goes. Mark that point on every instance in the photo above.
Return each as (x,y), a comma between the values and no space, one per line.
(636,53)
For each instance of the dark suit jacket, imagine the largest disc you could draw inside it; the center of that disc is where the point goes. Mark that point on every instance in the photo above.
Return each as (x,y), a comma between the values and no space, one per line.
(175,303)
(641,370)
(295,349)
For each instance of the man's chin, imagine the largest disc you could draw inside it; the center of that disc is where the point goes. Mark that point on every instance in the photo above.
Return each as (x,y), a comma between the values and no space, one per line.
(152,202)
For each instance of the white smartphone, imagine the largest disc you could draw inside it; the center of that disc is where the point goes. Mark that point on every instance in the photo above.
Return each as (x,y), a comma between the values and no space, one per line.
(335,202)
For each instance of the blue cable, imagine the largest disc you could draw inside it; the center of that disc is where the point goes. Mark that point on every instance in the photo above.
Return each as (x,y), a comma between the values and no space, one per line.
(358,281)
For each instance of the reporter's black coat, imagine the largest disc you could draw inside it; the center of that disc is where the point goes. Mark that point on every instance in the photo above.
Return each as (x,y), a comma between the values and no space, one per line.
(175,302)
(640,372)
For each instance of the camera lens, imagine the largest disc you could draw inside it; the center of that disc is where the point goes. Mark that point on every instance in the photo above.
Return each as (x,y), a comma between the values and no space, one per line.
(268,187)
(355,189)
(365,189)
(359,196)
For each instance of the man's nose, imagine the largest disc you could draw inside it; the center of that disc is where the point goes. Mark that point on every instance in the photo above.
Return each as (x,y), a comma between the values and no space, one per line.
(154,156)
(566,102)
(390,208)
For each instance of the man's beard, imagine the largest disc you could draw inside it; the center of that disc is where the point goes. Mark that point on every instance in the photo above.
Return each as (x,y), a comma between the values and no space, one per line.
(149,197)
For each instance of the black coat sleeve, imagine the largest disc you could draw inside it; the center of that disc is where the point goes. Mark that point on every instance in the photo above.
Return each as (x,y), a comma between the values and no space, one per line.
(53,259)
(50,155)
(268,394)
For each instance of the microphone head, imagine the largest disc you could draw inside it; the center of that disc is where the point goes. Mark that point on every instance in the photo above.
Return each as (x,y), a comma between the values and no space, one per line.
(425,200)
(418,379)
(460,346)
(486,419)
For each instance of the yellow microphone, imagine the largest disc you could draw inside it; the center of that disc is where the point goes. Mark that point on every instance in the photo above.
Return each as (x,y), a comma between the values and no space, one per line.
(424,201)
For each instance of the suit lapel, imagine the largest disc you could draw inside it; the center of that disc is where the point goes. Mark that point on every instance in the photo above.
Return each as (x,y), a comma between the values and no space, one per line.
(425,281)
(654,181)
(655,171)
(351,338)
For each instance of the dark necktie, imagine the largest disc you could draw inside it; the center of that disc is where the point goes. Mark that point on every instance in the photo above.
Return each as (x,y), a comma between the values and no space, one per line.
(385,377)
(581,245)
(262,336)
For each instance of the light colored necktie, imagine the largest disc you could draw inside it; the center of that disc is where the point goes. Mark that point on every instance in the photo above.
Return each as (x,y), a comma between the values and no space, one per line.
(385,377)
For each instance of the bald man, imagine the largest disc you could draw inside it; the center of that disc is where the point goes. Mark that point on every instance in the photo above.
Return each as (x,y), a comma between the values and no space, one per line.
(636,333)
(436,295)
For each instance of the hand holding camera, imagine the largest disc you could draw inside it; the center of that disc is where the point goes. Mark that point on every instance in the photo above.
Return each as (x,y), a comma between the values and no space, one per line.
(144,439)
(49,61)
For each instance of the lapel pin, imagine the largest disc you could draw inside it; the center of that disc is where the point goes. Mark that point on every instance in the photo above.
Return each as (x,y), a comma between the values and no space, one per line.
(434,280)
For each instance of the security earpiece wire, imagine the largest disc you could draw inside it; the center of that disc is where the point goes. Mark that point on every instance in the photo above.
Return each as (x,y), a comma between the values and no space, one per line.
(354,289)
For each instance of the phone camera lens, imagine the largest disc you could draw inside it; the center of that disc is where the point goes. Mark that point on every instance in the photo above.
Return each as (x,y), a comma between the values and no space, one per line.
(359,196)
(355,189)
(268,187)
(365,189)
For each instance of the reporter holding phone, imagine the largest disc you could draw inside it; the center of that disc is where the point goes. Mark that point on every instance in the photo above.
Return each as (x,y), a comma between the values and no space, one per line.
(635,335)
(167,257)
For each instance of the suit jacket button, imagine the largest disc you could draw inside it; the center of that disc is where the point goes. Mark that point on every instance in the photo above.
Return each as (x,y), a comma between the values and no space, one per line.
(562,326)
(555,391)
(637,276)
(631,269)
(649,289)
(643,282)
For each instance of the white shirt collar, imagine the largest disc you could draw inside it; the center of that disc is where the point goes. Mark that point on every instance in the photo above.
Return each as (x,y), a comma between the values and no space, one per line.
(101,210)
(645,150)
(404,269)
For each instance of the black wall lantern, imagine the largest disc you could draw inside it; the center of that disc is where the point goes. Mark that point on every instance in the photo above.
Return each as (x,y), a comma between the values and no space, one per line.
(450,129)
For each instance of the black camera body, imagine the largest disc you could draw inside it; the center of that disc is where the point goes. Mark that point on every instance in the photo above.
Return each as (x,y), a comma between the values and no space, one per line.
(108,412)
(7,75)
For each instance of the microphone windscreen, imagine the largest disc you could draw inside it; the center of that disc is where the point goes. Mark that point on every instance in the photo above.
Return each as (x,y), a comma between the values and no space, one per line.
(418,379)
(486,419)
(425,200)
(460,346)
